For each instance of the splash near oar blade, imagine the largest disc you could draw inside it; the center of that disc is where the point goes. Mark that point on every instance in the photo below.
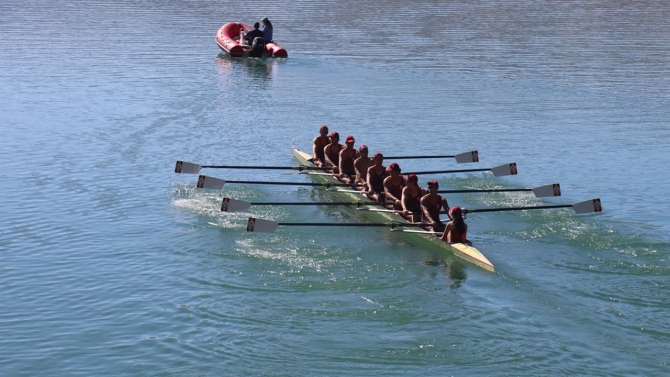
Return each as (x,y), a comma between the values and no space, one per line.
(187,167)
(588,206)
(547,191)
(233,205)
(205,182)
(467,157)
(503,170)
(261,226)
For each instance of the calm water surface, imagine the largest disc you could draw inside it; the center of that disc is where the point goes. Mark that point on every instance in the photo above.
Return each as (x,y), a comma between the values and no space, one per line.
(111,264)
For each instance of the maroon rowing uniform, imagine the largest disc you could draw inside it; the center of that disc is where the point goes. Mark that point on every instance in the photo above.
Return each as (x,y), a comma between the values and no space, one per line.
(376,179)
(348,162)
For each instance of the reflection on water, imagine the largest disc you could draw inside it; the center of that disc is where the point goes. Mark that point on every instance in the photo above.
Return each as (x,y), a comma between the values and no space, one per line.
(256,68)
(452,268)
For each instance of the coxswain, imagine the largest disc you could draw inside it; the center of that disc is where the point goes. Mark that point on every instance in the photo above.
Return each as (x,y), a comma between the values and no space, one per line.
(361,165)
(320,143)
(332,152)
(393,185)
(346,162)
(411,199)
(375,179)
(456,230)
(431,205)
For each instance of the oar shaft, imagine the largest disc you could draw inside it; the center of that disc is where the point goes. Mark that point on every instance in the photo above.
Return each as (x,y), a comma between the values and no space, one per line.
(388,225)
(326,184)
(482,190)
(416,157)
(447,171)
(301,168)
(308,203)
(465,210)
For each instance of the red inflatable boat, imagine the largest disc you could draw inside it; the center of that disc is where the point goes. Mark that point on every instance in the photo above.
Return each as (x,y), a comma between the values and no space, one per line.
(228,40)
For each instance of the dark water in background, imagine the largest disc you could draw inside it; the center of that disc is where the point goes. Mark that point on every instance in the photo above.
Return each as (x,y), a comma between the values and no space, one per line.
(110,264)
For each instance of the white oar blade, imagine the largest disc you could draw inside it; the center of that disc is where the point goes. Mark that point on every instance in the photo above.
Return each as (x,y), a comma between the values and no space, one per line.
(588,206)
(262,226)
(205,182)
(464,158)
(502,170)
(547,191)
(233,205)
(187,167)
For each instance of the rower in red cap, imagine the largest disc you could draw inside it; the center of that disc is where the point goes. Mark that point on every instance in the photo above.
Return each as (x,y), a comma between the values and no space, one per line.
(320,142)
(456,230)
(361,165)
(346,161)
(332,152)
(431,204)
(375,179)
(411,199)
(393,185)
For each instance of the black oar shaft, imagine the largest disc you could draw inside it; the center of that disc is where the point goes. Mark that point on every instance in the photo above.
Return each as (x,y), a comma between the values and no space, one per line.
(387,225)
(301,167)
(515,208)
(446,171)
(326,184)
(308,203)
(415,157)
(482,190)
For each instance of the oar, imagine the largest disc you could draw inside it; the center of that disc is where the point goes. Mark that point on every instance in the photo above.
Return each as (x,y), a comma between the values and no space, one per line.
(269,226)
(540,192)
(191,168)
(498,171)
(587,206)
(217,184)
(234,205)
(461,158)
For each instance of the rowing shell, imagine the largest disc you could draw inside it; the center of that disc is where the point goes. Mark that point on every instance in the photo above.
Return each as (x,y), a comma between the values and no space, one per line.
(466,252)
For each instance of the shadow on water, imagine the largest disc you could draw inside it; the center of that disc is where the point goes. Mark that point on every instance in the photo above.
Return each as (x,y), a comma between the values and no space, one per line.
(452,266)
(258,68)
(453,269)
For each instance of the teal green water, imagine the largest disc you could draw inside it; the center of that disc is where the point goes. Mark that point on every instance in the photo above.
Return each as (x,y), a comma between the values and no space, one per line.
(111,264)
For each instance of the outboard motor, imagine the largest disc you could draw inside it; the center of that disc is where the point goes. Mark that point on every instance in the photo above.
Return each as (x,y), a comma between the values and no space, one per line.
(257,47)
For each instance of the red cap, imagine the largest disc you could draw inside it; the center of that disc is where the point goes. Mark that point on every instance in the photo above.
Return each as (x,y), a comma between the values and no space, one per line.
(378,154)
(433,183)
(323,128)
(334,134)
(412,178)
(456,211)
(363,148)
(350,139)
(393,166)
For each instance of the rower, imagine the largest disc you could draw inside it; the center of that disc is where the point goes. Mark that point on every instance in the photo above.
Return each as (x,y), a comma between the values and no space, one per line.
(332,152)
(346,161)
(393,185)
(375,179)
(431,204)
(456,230)
(319,144)
(361,166)
(411,198)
